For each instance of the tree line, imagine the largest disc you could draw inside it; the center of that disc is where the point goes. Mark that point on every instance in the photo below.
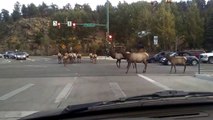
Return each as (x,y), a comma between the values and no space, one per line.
(178,25)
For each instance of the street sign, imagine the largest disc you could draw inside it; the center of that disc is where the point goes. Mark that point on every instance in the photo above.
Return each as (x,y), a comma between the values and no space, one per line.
(69,23)
(89,25)
(155,40)
(55,23)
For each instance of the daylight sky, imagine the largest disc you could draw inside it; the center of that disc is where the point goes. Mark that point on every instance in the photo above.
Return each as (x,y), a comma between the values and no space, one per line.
(9,4)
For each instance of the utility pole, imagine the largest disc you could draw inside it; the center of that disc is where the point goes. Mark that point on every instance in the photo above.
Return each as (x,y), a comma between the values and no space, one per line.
(107,27)
(107,24)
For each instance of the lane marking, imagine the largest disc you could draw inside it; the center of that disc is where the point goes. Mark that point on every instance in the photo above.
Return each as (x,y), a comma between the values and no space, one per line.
(118,92)
(64,93)
(15,92)
(154,82)
(14,114)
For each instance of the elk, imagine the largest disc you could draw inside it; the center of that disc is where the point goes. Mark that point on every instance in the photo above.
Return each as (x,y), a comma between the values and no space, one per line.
(72,57)
(65,59)
(118,56)
(78,58)
(60,56)
(177,60)
(93,57)
(136,57)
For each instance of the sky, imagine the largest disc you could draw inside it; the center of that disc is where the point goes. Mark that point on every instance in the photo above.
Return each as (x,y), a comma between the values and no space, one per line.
(9,5)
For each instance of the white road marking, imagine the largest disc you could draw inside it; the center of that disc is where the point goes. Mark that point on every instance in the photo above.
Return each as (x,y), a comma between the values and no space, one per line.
(30,59)
(64,93)
(14,114)
(154,82)
(15,92)
(4,61)
(37,66)
(118,92)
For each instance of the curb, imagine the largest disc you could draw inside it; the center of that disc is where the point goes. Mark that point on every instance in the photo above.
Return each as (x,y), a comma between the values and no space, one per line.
(100,58)
(204,76)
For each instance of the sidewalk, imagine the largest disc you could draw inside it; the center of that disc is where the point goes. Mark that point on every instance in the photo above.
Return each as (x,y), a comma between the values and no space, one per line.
(101,57)
(205,76)
(4,61)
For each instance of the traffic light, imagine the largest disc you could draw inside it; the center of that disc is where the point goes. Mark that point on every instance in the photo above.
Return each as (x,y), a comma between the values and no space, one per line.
(110,38)
(59,25)
(74,25)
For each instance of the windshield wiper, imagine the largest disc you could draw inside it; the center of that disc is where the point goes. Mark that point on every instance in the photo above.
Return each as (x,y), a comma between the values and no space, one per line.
(163,94)
(154,96)
(123,102)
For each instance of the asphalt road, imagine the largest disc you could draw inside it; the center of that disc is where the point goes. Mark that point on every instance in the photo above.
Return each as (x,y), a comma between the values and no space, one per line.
(40,83)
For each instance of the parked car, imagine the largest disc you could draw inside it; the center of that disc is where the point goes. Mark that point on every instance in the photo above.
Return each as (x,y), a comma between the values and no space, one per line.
(207,57)
(191,60)
(157,57)
(9,55)
(20,56)
(27,54)
(195,52)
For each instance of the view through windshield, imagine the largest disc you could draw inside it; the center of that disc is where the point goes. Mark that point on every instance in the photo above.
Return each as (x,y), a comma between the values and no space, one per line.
(53,56)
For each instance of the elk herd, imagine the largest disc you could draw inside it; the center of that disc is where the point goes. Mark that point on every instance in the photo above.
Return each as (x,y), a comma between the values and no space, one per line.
(132,58)
(74,58)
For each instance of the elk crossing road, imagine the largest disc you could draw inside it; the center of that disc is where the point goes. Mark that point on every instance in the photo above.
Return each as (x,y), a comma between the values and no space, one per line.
(41,83)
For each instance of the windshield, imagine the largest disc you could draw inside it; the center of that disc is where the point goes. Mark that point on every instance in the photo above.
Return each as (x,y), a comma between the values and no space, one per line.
(69,53)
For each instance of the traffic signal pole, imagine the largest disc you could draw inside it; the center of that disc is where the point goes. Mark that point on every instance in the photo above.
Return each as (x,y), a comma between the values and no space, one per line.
(107,27)
(107,24)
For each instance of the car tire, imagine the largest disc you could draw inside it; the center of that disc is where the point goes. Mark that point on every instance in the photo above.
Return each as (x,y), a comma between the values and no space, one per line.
(194,62)
(210,60)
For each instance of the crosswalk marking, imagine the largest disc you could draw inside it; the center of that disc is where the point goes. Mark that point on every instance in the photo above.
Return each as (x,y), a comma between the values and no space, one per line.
(64,93)
(154,82)
(15,92)
(118,92)
(14,114)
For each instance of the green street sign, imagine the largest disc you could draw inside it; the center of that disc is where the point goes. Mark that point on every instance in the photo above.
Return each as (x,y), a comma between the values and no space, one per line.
(89,25)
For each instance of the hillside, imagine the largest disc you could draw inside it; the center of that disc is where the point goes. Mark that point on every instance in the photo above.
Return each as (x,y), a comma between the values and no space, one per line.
(29,35)
(32,35)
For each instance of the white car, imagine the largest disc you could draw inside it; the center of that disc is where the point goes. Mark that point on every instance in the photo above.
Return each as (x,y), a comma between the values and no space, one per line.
(207,57)
(20,56)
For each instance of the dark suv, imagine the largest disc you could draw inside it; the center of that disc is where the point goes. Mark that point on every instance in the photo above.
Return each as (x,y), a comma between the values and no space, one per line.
(9,55)
(157,57)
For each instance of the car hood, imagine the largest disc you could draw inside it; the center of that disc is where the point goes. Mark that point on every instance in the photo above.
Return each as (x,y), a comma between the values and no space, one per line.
(162,98)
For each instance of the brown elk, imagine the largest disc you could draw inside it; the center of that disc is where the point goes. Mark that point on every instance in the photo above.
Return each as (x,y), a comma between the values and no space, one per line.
(79,58)
(60,56)
(181,60)
(136,57)
(93,58)
(66,59)
(116,55)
